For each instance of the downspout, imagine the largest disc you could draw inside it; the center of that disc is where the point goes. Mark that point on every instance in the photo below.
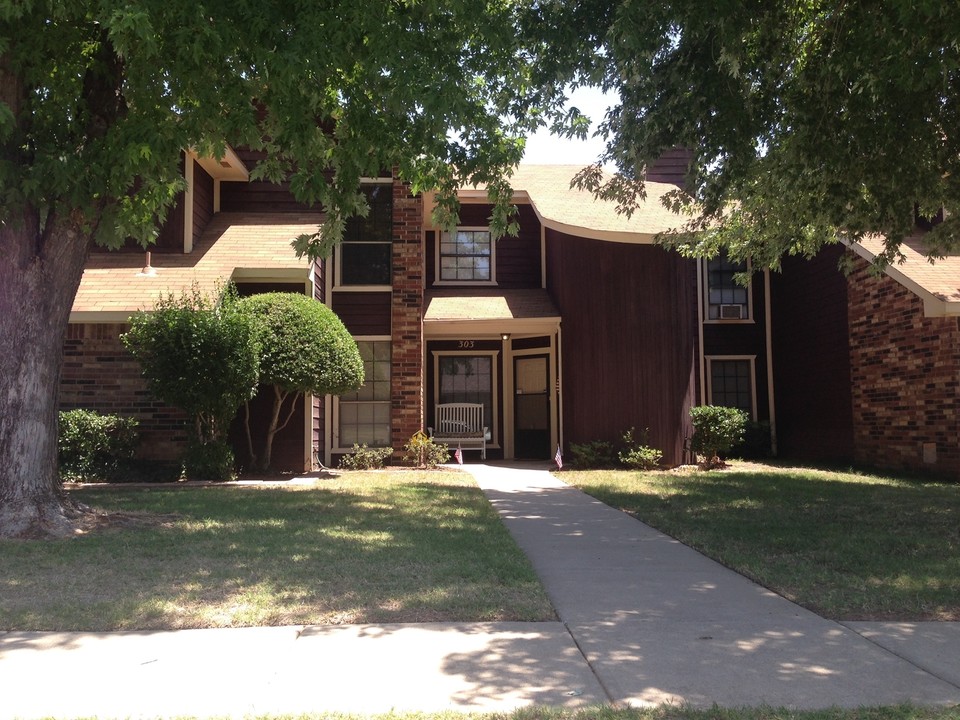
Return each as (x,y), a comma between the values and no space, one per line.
(559,385)
(328,269)
(543,257)
(188,203)
(768,324)
(701,358)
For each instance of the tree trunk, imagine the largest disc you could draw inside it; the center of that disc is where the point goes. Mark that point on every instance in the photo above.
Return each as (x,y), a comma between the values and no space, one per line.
(275,426)
(40,271)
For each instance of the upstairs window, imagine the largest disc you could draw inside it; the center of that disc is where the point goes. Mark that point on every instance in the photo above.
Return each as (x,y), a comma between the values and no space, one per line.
(726,299)
(366,250)
(467,256)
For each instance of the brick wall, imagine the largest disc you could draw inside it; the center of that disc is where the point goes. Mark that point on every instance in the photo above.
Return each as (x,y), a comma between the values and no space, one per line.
(406,313)
(904,374)
(99,374)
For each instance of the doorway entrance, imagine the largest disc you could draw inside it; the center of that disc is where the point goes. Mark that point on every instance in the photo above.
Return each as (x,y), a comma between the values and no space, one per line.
(531,407)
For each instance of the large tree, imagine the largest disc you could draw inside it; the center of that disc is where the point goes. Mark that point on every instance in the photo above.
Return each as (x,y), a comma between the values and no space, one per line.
(807,119)
(98,99)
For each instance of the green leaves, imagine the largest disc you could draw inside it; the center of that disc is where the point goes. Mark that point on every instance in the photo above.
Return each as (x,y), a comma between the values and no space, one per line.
(807,121)
(303,345)
(198,356)
(442,91)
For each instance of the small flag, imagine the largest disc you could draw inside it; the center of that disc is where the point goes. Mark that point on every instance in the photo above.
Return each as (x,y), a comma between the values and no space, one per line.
(459,455)
(558,459)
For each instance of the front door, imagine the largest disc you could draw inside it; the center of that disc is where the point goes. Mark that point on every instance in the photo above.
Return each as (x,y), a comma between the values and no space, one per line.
(531,407)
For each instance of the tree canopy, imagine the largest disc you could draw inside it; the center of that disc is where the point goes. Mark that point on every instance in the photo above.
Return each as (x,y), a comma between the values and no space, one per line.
(99,99)
(806,120)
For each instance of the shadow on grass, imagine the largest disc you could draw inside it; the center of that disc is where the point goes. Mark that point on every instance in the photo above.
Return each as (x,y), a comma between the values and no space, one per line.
(272,556)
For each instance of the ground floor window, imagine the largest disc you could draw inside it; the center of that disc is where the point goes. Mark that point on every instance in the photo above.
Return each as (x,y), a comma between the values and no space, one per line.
(732,383)
(467,379)
(364,416)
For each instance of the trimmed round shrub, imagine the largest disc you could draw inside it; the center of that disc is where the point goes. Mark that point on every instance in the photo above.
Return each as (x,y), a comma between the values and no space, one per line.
(304,347)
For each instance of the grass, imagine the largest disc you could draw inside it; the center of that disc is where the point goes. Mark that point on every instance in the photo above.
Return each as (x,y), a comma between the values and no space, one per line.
(848,546)
(362,547)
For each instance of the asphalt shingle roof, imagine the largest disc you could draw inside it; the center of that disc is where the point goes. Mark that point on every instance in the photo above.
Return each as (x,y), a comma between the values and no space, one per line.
(578,212)
(232,242)
(940,278)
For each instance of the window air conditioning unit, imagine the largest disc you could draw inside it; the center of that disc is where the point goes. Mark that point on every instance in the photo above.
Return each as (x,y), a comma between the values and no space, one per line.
(731,312)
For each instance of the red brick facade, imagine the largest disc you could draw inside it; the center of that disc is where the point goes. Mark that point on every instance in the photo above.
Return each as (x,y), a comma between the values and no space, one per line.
(99,374)
(904,376)
(406,315)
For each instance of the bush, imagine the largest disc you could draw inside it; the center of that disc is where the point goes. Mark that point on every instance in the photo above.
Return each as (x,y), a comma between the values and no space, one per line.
(637,454)
(716,430)
(209,461)
(423,452)
(593,454)
(365,458)
(197,354)
(91,446)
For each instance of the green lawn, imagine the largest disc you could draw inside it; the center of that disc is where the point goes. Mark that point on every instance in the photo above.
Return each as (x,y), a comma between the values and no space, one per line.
(364,547)
(848,546)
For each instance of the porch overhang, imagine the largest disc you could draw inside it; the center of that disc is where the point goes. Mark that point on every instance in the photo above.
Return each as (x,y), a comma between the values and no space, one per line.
(475,313)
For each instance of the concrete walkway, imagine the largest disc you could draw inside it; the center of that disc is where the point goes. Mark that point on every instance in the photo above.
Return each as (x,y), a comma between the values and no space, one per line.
(659,622)
(643,620)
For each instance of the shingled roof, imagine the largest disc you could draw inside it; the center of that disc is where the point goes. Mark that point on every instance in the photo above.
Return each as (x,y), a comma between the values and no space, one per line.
(937,282)
(578,212)
(234,245)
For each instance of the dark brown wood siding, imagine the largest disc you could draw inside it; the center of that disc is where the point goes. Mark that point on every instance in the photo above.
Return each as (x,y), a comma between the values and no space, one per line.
(811,356)
(745,339)
(629,333)
(202,200)
(364,313)
(257,195)
(517,258)
(170,237)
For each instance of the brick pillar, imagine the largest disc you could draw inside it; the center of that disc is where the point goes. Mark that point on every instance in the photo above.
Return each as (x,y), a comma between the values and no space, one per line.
(407,396)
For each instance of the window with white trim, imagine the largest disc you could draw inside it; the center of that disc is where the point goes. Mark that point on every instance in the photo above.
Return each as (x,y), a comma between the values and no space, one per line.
(732,383)
(466,255)
(364,415)
(726,298)
(365,255)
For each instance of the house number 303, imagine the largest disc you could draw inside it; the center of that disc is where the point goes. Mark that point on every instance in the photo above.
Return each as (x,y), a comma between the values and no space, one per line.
(465,344)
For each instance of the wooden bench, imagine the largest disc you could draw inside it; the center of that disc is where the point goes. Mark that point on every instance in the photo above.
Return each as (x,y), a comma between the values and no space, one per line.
(461,425)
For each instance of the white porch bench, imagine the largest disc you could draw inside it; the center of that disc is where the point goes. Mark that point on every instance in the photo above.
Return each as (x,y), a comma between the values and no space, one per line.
(461,424)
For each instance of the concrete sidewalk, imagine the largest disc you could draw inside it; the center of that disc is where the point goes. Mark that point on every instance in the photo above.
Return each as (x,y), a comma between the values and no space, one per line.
(643,620)
(659,622)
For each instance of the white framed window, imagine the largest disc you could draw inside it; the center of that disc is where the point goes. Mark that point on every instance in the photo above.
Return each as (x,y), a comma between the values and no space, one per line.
(364,259)
(467,255)
(726,300)
(363,417)
(732,382)
(469,377)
